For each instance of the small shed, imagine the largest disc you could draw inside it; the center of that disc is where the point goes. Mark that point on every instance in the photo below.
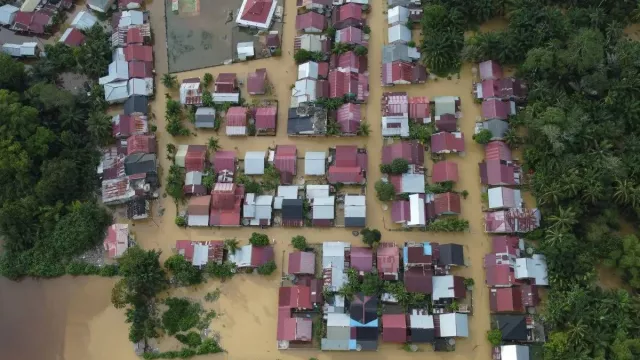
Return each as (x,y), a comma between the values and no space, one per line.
(84,21)
(245,50)
(254,162)
(236,121)
(205,118)
(355,211)
(8,14)
(399,33)
(315,163)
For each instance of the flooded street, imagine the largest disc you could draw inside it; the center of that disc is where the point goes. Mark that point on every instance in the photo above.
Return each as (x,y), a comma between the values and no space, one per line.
(72,319)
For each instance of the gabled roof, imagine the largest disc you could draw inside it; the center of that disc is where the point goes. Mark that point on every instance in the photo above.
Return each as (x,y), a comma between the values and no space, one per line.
(512,221)
(296,297)
(496,172)
(286,160)
(199,253)
(361,259)
(226,83)
(444,171)
(500,275)
(452,325)
(447,203)
(508,299)
(497,150)
(394,328)
(350,35)
(138,53)
(450,254)
(419,280)
(504,197)
(497,109)
(490,70)
(393,52)
(140,69)
(533,268)
(398,33)
(224,160)
(388,259)
(117,240)
(266,118)
(412,151)
(72,37)
(355,210)
(315,163)
(348,117)
(364,311)
(448,287)
(141,143)
(446,142)
(310,21)
(256,13)
(513,327)
(419,108)
(256,82)
(301,262)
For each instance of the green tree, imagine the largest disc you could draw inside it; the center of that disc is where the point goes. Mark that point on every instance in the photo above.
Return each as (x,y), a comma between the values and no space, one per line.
(169,81)
(361,50)
(372,284)
(222,271)
(12,76)
(495,337)
(175,183)
(231,245)
(364,129)
(626,258)
(82,228)
(399,166)
(483,137)
(371,237)
(267,268)
(181,315)
(95,55)
(301,56)
(207,80)
(184,273)
(100,127)
(299,242)
(258,239)
(385,191)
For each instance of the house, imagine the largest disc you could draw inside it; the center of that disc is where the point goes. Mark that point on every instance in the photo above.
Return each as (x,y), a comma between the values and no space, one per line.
(308,70)
(100,5)
(117,191)
(307,121)
(447,142)
(195,158)
(333,261)
(347,15)
(130,4)
(245,50)
(142,165)
(311,42)
(226,83)
(28,49)
(143,87)
(503,89)
(273,42)
(446,105)
(447,287)
(141,144)
(138,53)
(285,192)
(412,151)
(408,183)
(295,297)
(198,211)
(395,114)
(534,269)
(530,297)
(226,203)
(138,209)
(508,299)
(127,19)
(191,92)
(302,263)
(256,14)
(444,171)
(351,35)
(286,161)
(398,33)
(497,127)
(395,126)
(512,327)
(498,150)
(338,336)
(505,244)
(361,259)
(125,126)
(317,191)
(348,117)
(498,109)
(447,203)
(504,198)
(257,210)
(420,109)
(349,62)
(315,163)
(490,70)
(71,37)
(199,253)
(497,172)
(364,311)
(446,122)
(419,280)
(292,213)
(117,240)
(342,84)
(303,91)
(84,21)
(311,22)
(265,120)
(450,255)
(257,82)
(349,167)
(205,118)
(417,255)
(514,352)
(225,160)
(315,4)
(355,211)
(252,257)
(421,327)
(388,261)
(399,51)
(394,328)
(236,121)
(116,92)
(141,69)
(499,275)
(409,212)
(511,221)
(452,325)
(193,184)
(323,211)
(8,14)
(398,15)
(403,73)
(136,105)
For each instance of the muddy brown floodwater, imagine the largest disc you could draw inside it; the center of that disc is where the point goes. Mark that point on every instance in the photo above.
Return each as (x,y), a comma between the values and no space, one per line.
(72,319)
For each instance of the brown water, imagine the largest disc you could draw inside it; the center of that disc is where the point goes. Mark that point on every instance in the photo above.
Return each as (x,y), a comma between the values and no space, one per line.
(72,319)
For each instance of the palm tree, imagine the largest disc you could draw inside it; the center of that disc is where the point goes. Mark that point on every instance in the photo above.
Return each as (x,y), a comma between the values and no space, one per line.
(213,144)
(72,118)
(231,245)
(593,192)
(564,220)
(364,129)
(169,81)
(626,193)
(550,194)
(100,128)
(554,236)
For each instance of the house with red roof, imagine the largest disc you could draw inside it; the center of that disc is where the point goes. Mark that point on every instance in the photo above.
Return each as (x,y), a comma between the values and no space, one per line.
(295,297)
(347,15)
(72,37)
(447,287)
(226,203)
(504,198)
(199,253)
(530,297)
(290,329)
(409,212)
(511,221)
(195,160)
(443,171)
(412,151)
(191,92)
(490,70)
(141,144)
(356,86)
(37,22)
(302,263)
(498,172)
(500,275)
(236,121)
(403,73)
(125,126)
(446,122)
(349,165)
(266,120)
(134,36)
(446,142)
(506,300)
(251,257)
(348,117)
(311,22)
(501,89)
(388,261)
(226,83)
(224,160)
(286,161)
(198,211)
(498,109)
(256,14)
(257,82)
(498,150)
(117,240)
(394,328)
(361,259)
(140,69)
(418,280)
(349,62)
(447,203)
(417,255)
(138,53)
(420,109)
(351,35)
(506,244)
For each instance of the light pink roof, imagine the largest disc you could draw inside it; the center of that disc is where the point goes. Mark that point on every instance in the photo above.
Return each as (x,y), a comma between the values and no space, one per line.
(236,116)
(117,240)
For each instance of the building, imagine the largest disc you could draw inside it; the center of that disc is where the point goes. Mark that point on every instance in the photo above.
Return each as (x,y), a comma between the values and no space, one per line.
(421,327)
(236,121)
(398,15)
(412,151)
(257,14)
(418,280)
(285,192)
(450,255)
(398,33)
(349,62)
(252,257)
(534,269)
(225,88)
(349,117)
(84,21)
(497,109)
(349,166)
(514,352)
(511,221)
(141,69)
(399,51)
(333,261)
(512,327)
(72,37)
(117,240)
(257,210)
(302,263)
(347,15)
(355,86)
(448,287)
(447,203)
(8,14)
(205,118)
(257,82)
(388,261)
(199,253)
(266,120)
(503,89)
(363,312)
(506,300)
(452,325)
(312,42)
(224,161)
(125,126)
(355,211)
(286,161)
(498,172)
(394,328)
(361,259)
(351,35)
(198,211)
(315,163)
(323,211)
(138,53)
(116,92)
(193,184)
(100,5)
(446,142)
(499,275)
(497,127)
(417,255)
(444,105)
(303,91)
(410,213)
(395,114)
(311,22)
(308,70)
(403,73)
(504,198)
(315,4)
(245,50)
(444,171)
(420,109)
(136,105)
(408,183)
(490,70)
(191,92)
(226,204)
(292,213)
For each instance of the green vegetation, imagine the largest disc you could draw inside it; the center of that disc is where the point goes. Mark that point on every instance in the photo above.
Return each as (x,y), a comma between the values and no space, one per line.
(495,337)
(364,129)
(385,191)
(231,245)
(361,50)
(299,242)
(270,178)
(330,103)
(371,284)
(175,183)
(207,80)
(371,237)
(208,179)
(169,81)
(184,273)
(405,298)
(250,185)
(191,339)
(483,136)
(439,188)
(222,271)
(212,296)
(182,315)
(258,239)
(267,268)
(208,346)
(173,116)
(448,225)
(301,56)
(421,132)
(213,144)
(443,39)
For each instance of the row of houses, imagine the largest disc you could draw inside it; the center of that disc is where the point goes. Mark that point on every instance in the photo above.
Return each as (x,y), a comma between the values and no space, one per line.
(247,257)
(229,205)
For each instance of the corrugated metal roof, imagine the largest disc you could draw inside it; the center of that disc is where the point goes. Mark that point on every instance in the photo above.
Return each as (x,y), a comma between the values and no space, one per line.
(254,162)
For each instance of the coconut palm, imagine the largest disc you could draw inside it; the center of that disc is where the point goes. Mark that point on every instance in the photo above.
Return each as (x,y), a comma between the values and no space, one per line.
(625,193)
(214,144)
(100,128)
(593,192)
(364,129)
(169,81)
(231,245)
(564,220)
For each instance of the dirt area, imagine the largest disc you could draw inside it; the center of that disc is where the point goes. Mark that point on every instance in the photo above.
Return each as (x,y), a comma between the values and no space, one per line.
(203,33)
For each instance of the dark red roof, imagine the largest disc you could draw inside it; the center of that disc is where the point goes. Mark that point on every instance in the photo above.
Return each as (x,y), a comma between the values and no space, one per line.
(256,82)
(419,108)
(397,72)
(224,160)
(215,253)
(286,161)
(530,296)
(273,40)
(323,69)
(134,36)
(74,38)
(302,263)
(497,150)
(345,175)
(194,160)
(140,69)
(226,83)
(348,117)
(496,109)
(443,142)
(500,275)
(362,259)
(447,122)
(349,61)
(419,280)
(346,155)
(266,118)
(224,196)
(444,171)
(261,255)
(295,297)
(257,11)
(349,11)
(412,151)
(447,203)
(388,258)
(23,19)
(496,172)
(225,211)
(505,244)
(310,20)
(394,328)
(400,211)
(415,256)
(138,53)
(128,125)
(141,143)
(236,116)
(506,300)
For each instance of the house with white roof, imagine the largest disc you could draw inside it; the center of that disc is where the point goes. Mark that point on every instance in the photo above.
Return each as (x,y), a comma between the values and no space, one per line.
(399,33)
(395,125)
(245,50)
(533,269)
(417,208)
(84,21)
(116,92)
(28,49)
(514,352)
(333,271)
(323,210)
(317,191)
(453,325)
(504,198)
(8,14)
(285,192)
(355,211)
(118,71)
(141,86)
(308,70)
(254,162)
(397,15)
(310,42)
(304,91)
(257,210)
(315,163)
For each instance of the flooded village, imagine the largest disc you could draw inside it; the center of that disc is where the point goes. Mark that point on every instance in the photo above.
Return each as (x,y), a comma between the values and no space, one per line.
(471,275)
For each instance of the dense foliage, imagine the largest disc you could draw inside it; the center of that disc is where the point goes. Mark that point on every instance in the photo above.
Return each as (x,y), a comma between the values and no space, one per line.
(371,237)
(267,268)
(182,315)
(299,242)
(258,239)
(385,191)
(183,272)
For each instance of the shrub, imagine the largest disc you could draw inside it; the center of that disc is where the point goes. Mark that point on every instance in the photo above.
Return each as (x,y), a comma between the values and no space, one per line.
(385,168)
(371,236)
(448,225)
(207,79)
(183,271)
(267,268)
(411,43)
(385,191)
(258,239)
(299,242)
(109,270)
(464,193)
(399,166)
(495,337)
(181,221)
(277,52)
(191,339)
(483,137)
(361,50)
(222,271)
